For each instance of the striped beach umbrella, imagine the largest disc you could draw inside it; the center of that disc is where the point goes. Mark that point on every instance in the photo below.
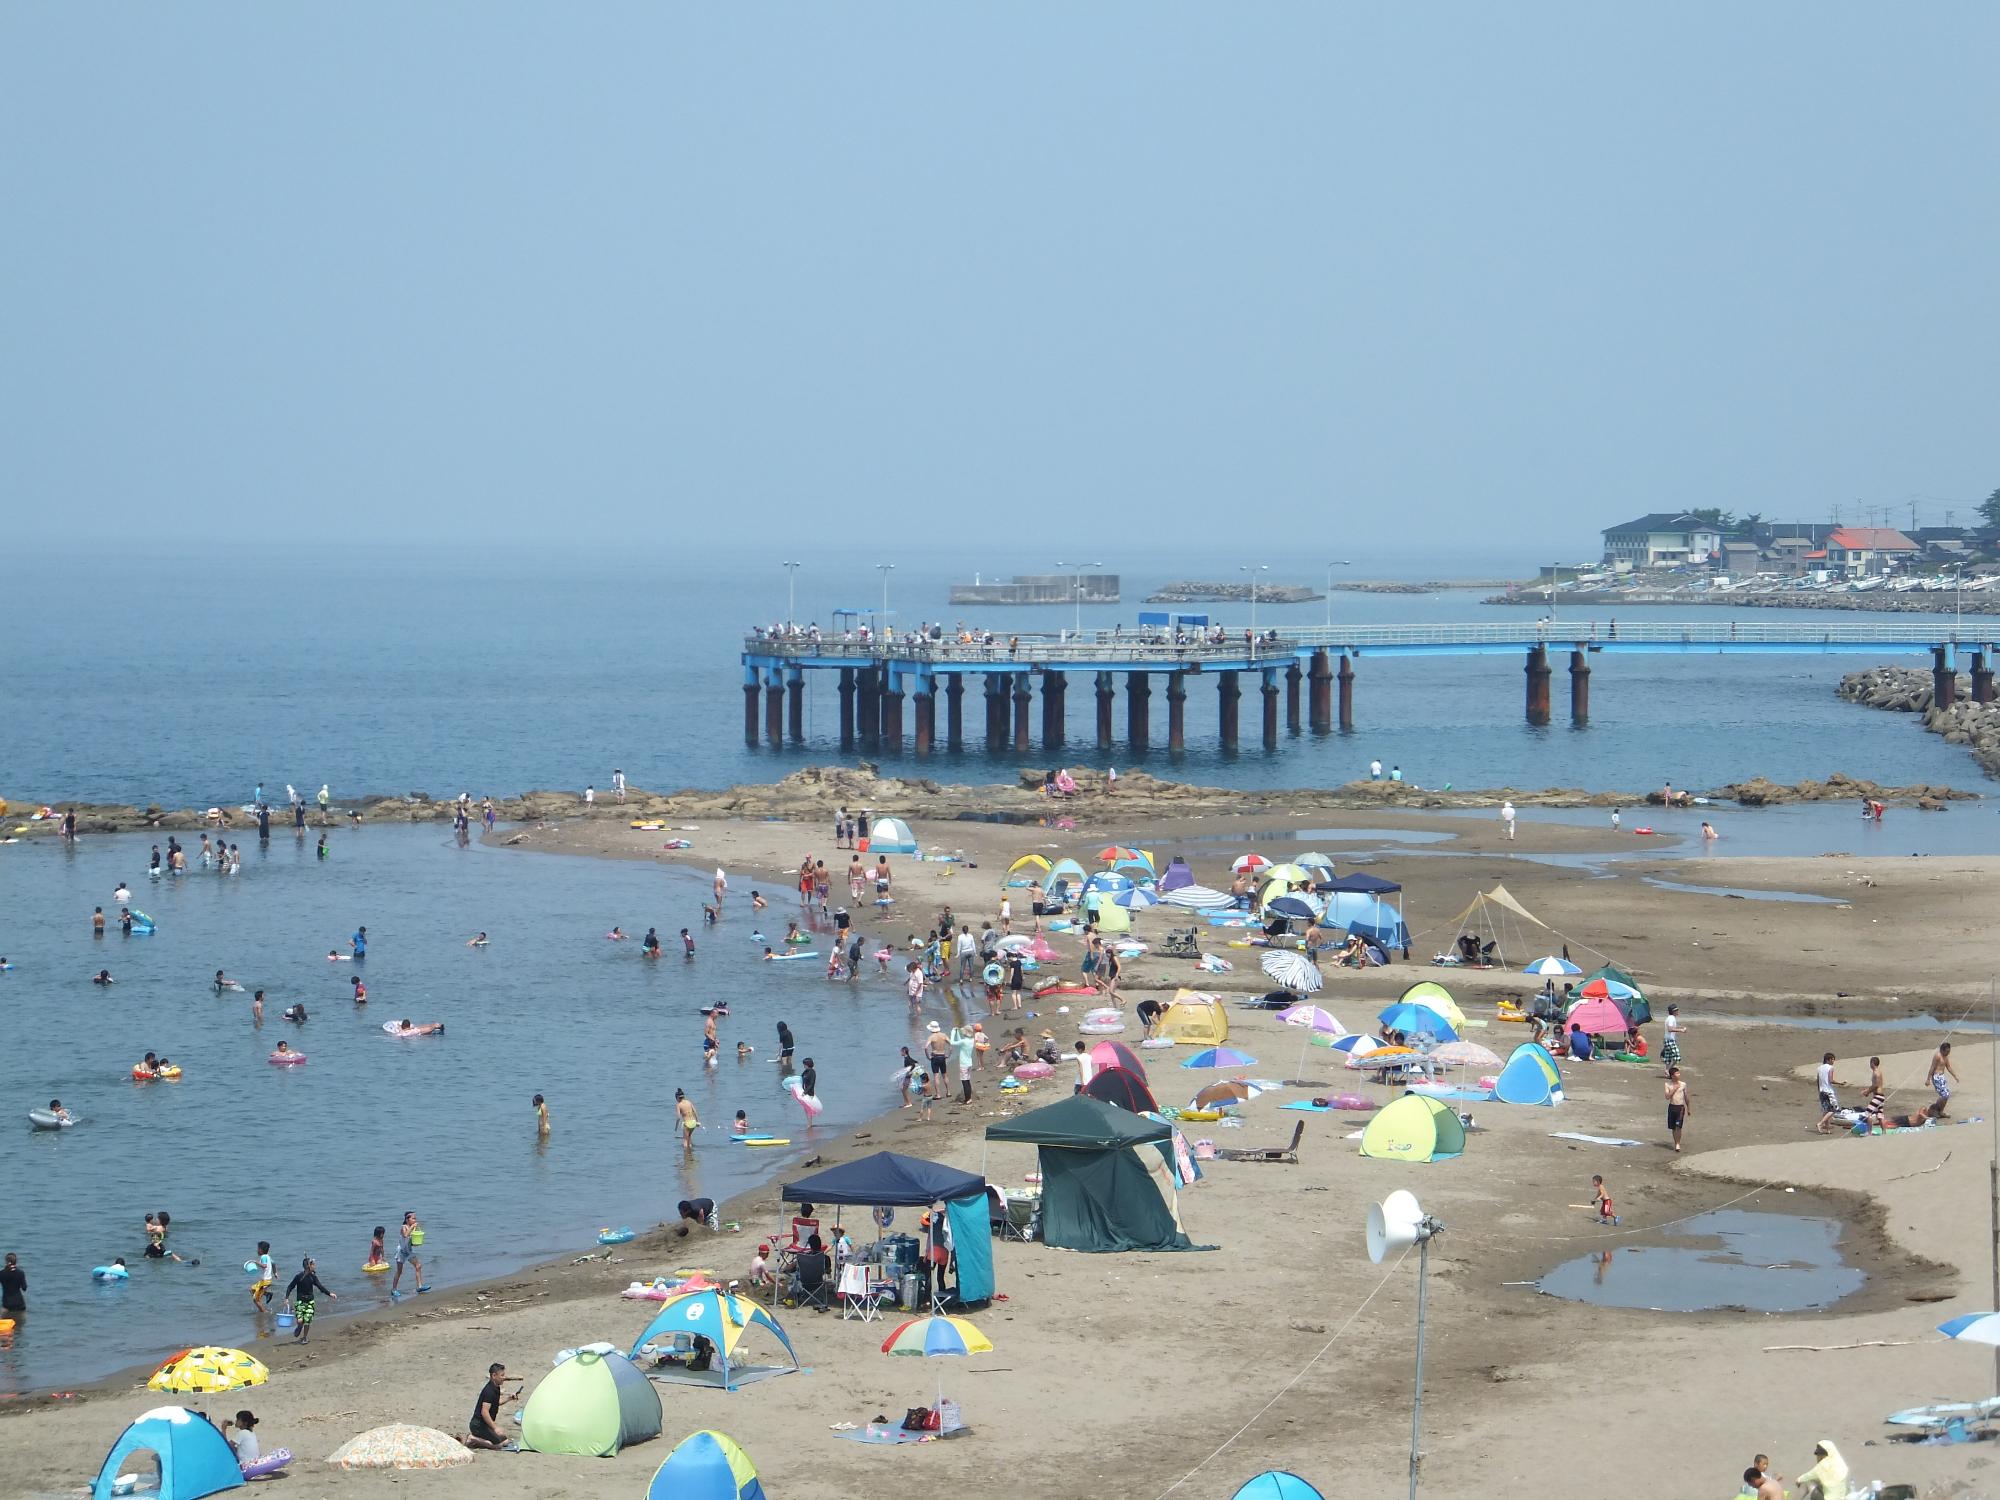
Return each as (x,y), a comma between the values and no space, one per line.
(1974,1328)
(1551,967)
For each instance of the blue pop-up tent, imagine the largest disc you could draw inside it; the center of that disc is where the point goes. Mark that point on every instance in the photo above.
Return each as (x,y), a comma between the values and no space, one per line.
(1354,902)
(194,1458)
(1530,1077)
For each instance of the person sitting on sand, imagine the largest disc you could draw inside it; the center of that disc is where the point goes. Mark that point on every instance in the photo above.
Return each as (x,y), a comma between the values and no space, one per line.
(760,1266)
(1761,1486)
(484,1428)
(1579,1044)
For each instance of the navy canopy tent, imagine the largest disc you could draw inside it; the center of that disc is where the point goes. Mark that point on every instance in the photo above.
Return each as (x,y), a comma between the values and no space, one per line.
(886,1180)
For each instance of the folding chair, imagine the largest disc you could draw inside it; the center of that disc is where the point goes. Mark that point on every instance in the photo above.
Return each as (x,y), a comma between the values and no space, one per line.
(860,1295)
(1268,1153)
(819,1299)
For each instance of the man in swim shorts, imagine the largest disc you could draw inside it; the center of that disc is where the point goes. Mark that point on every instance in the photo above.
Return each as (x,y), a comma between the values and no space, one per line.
(302,1292)
(1942,1075)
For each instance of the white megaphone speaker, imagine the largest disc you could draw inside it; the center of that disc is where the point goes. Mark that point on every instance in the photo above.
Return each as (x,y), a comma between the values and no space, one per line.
(1395,1224)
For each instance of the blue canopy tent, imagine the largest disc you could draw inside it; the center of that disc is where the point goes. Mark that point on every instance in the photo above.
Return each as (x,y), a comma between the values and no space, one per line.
(193,1456)
(890,1180)
(1354,902)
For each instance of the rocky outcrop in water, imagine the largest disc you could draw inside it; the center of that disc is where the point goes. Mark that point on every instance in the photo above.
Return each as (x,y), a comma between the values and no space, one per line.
(1908,690)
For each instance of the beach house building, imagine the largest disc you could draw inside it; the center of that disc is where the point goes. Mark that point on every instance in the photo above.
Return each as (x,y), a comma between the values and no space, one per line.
(1662,540)
(1863,551)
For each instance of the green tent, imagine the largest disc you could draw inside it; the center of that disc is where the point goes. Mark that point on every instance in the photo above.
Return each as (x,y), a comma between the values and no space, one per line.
(592,1404)
(1097,1192)
(1636,1008)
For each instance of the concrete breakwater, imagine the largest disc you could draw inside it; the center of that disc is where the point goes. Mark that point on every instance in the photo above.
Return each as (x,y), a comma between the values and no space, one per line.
(1911,690)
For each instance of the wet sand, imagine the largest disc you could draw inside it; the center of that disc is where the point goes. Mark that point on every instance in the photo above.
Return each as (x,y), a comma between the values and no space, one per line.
(1117,1375)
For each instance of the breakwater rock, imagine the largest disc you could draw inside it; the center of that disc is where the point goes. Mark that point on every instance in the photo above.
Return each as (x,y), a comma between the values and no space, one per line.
(1908,690)
(814,793)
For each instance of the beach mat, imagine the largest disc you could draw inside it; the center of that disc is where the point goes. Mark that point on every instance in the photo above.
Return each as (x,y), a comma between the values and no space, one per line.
(739,1375)
(1592,1140)
(895,1437)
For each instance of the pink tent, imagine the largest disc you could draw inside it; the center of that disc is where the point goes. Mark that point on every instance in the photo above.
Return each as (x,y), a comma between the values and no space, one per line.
(1116,1055)
(1598,1017)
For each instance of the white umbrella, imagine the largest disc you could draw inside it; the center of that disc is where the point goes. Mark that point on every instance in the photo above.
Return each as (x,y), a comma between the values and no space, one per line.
(1551,967)
(1249,862)
(1198,898)
(1012,941)
(1293,970)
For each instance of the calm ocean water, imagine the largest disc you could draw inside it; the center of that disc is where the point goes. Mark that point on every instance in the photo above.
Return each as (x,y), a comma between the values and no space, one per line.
(311,1158)
(138,683)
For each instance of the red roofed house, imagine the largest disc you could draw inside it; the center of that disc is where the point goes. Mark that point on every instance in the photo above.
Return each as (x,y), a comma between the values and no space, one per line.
(1861,551)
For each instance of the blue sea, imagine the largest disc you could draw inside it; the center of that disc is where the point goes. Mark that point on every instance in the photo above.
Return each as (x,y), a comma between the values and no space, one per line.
(312,1157)
(131,681)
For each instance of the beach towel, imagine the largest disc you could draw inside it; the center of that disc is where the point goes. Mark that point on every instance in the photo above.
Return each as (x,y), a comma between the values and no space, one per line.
(1592,1140)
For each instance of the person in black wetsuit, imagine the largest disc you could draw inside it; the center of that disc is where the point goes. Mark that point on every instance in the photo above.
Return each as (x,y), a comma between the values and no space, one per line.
(785,1045)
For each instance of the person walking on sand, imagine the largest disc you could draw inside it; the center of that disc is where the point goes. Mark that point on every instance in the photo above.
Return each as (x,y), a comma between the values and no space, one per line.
(1677,1105)
(618,784)
(1507,818)
(1617,818)
(1829,1101)
(1600,1199)
(1670,1052)
(686,1122)
(1942,1075)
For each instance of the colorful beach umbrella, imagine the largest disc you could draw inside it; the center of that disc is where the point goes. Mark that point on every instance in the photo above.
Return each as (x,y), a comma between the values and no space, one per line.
(1974,1328)
(1410,1018)
(1607,989)
(1136,899)
(1112,853)
(1551,967)
(1248,862)
(401,1446)
(936,1336)
(706,1466)
(1293,970)
(1311,1017)
(1354,1043)
(208,1369)
(1597,1017)
(1286,874)
(1220,1057)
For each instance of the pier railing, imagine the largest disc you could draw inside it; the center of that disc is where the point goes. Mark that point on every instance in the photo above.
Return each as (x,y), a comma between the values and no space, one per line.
(1056,647)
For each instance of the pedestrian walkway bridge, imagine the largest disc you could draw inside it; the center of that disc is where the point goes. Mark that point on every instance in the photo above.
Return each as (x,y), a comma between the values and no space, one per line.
(877,674)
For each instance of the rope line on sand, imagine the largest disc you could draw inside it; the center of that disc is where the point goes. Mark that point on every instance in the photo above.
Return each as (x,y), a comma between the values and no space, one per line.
(1300,1375)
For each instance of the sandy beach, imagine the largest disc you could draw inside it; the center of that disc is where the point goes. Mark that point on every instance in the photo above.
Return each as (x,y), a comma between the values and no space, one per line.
(1148,1375)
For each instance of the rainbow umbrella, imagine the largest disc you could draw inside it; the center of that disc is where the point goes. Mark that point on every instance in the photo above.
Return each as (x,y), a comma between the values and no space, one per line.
(208,1369)
(1607,989)
(937,1337)
(706,1466)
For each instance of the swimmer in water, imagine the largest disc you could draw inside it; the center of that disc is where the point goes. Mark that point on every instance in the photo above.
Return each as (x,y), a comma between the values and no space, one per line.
(742,1125)
(616,934)
(149,1066)
(792,933)
(294,1013)
(476,942)
(541,1116)
(56,1109)
(687,943)
(257,1007)
(334,956)
(360,991)
(757,901)
(651,945)
(743,1051)
(224,982)
(121,895)
(102,976)
(1708,831)
(769,955)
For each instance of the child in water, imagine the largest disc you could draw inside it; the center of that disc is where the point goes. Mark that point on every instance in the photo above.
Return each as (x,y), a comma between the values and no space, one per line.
(742,1123)
(375,1258)
(262,1275)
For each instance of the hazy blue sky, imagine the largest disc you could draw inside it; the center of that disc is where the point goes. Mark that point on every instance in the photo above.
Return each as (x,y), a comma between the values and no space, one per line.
(1347,276)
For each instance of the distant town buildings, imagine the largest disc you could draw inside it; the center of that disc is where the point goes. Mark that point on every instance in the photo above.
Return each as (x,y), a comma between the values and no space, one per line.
(1706,542)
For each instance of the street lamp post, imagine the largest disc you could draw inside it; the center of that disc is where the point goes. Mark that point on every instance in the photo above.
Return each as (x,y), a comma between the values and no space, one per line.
(1253,569)
(1079,566)
(885,569)
(1343,563)
(791,591)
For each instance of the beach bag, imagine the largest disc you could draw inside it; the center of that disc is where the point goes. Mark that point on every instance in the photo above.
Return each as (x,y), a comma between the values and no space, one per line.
(921,1419)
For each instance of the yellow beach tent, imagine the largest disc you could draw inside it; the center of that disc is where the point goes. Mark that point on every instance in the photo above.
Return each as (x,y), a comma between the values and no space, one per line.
(1413,1128)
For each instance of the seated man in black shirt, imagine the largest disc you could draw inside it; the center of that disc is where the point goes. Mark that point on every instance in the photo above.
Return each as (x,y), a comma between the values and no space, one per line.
(810,1269)
(484,1428)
